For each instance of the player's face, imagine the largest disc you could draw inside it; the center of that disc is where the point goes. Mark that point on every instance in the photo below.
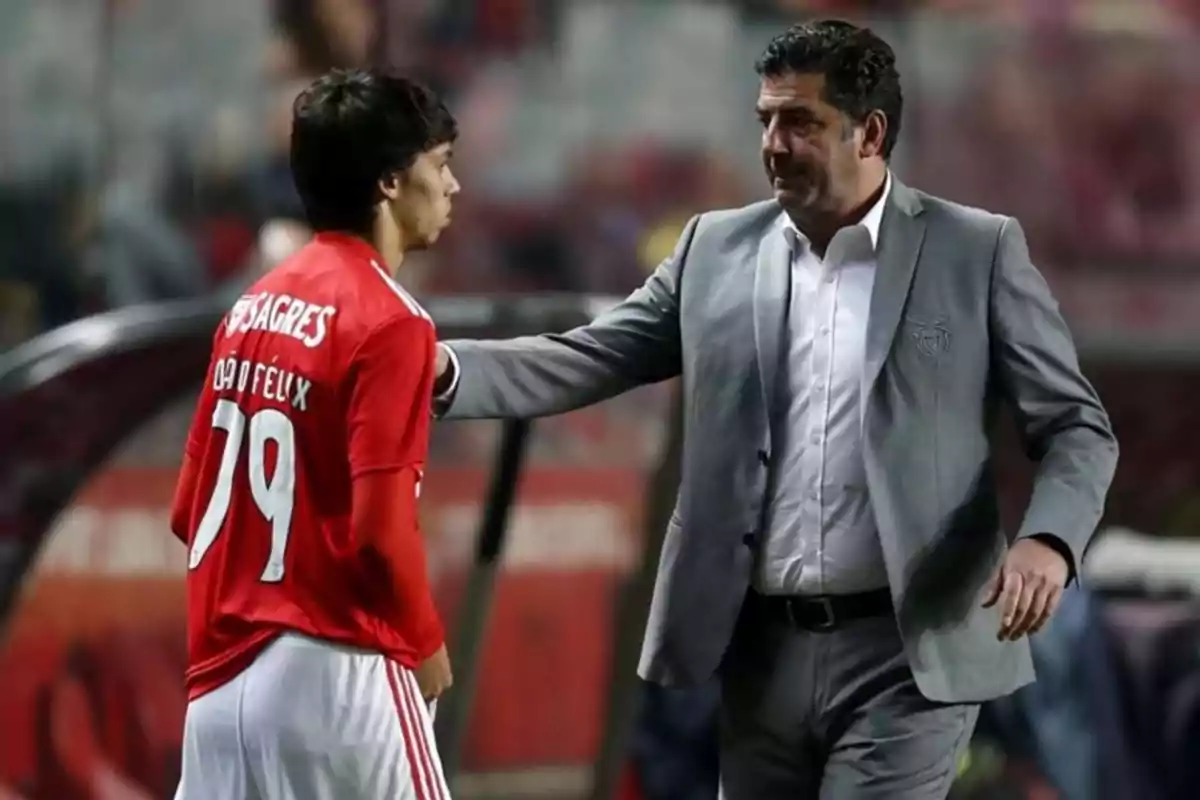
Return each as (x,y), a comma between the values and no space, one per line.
(427,189)
(809,148)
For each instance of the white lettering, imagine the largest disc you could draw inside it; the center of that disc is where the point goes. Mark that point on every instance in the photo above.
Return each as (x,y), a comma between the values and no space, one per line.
(277,312)
(223,374)
(264,314)
(293,314)
(324,314)
(265,380)
(305,320)
(258,371)
(271,385)
(282,314)
(300,398)
(234,318)
(251,312)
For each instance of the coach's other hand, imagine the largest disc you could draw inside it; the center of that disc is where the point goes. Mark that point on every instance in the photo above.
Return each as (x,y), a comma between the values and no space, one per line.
(434,676)
(1028,587)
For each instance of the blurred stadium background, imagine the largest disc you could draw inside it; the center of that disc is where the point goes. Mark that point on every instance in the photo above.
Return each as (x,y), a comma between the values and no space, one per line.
(142,160)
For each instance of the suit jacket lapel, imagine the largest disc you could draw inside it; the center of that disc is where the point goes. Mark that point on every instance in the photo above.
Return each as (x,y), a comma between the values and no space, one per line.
(900,237)
(772,287)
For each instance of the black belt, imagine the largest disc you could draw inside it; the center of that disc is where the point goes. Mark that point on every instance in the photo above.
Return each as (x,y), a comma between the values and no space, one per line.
(823,612)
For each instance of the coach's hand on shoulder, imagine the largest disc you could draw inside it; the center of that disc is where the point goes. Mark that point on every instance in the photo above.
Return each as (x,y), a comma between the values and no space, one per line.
(1027,587)
(443,367)
(434,675)
(442,362)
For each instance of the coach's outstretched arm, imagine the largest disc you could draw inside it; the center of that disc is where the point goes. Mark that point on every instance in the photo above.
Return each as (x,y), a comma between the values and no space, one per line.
(633,344)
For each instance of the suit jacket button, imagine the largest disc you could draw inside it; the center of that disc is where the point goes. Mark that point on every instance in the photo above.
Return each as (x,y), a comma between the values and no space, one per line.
(764,457)
(750,540)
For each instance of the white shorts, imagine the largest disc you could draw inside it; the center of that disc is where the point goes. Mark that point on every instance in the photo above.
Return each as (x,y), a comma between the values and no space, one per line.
(310,720)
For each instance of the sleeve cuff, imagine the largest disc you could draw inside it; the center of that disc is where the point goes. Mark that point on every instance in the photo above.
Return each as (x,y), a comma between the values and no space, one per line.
(447,394)
(1063,549)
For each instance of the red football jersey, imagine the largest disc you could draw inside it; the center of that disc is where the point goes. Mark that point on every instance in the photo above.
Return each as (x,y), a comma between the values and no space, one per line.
(322,371)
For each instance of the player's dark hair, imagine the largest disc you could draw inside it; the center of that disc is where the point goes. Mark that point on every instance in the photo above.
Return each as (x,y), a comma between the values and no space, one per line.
(352,129)
(858,66)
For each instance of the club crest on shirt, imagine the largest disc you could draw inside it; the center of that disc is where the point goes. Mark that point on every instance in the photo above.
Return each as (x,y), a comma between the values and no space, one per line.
(931,337)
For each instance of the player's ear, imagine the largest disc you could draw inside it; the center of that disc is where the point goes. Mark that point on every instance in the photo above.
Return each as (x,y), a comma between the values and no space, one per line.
(390,186)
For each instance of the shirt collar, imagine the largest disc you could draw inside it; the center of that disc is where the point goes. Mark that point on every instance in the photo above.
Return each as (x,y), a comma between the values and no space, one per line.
(872,221)
(363,252)
(350,245)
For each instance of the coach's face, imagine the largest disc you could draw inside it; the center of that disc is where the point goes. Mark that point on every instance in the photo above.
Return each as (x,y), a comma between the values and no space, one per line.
(810,150)
(427,190)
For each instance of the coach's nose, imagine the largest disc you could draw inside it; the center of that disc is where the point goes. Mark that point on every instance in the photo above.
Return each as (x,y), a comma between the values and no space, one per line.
(774,143)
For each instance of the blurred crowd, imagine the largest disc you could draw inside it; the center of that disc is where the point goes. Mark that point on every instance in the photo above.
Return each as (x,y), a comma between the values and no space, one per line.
(1074,115)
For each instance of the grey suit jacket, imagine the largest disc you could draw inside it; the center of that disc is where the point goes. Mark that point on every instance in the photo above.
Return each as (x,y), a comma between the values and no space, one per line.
(960,322)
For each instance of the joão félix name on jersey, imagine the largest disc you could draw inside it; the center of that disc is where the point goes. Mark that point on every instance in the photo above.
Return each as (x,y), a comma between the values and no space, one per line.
(268,382)
(306,322)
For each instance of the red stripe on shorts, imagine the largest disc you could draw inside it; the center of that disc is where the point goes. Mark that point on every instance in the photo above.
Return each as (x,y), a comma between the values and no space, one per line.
(416,770)
(412,693)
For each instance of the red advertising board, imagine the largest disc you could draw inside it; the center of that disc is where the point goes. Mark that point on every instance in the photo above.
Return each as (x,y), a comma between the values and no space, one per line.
(93,660)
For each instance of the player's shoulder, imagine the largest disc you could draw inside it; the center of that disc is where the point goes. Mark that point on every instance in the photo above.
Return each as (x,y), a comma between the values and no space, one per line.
(351,291)
(381,311)
(378,297)
(389,311)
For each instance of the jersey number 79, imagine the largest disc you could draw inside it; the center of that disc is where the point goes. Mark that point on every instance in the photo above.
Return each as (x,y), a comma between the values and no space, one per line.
(274,498)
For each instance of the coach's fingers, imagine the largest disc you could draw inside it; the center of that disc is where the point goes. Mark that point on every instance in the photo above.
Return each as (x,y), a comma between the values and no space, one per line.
(1053,598)
(1011,594)
(1034,596)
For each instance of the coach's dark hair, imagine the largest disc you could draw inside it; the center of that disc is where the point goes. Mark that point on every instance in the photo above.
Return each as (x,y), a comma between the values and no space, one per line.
(859,69)
(352,129)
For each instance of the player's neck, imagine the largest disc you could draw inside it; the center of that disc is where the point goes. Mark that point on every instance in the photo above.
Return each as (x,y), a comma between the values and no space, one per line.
(388,240)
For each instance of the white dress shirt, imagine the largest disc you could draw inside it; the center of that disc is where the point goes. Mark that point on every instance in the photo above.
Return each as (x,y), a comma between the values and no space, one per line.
(821,536)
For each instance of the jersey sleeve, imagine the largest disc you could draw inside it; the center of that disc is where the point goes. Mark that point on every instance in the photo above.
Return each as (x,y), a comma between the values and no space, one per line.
(387,524)
(390,397)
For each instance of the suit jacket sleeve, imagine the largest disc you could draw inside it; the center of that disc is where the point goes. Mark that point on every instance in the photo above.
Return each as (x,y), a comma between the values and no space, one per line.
(635,343)
(1062,423)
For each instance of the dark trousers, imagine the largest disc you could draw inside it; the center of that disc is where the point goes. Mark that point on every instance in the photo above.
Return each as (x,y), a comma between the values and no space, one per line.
(831,715)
